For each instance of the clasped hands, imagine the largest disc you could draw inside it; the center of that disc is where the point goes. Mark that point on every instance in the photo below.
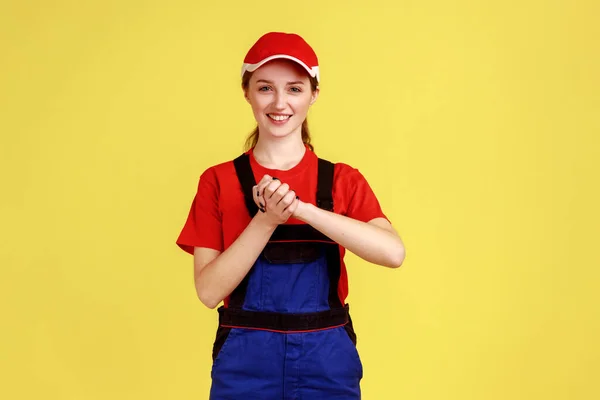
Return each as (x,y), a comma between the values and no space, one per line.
(275,200)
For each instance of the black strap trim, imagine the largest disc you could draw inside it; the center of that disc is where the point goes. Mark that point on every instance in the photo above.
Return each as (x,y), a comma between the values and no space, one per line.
(245,176)
(238,296)
(334,269)
(247,181)
(325,185)
(238,318)
(301,232)
(221,337)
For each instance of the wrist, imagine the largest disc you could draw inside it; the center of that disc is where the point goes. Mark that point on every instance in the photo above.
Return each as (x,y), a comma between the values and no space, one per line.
(263,221)
(303,211)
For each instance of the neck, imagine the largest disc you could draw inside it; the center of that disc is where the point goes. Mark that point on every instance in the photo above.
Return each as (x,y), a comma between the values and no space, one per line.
(279,153)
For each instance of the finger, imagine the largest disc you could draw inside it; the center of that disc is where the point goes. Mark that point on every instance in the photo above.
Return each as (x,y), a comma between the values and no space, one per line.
(260,186)
(258,192)
(287,200)
(258,199)
(281,191)
(270,189)
(293,207)
(265,179)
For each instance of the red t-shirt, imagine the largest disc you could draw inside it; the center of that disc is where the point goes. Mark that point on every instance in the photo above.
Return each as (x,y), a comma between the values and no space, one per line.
(218,214)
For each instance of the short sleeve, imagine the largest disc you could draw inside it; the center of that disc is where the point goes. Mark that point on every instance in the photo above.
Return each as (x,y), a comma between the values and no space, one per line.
(203,227)
(361,202)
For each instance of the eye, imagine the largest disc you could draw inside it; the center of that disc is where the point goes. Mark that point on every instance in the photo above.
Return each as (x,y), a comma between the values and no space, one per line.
(264,88)
(296,89)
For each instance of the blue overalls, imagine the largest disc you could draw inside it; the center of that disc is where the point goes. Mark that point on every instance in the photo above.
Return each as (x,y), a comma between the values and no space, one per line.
(285,333)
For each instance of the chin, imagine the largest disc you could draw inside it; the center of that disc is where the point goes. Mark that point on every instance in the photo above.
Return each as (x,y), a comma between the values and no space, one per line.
(281,132)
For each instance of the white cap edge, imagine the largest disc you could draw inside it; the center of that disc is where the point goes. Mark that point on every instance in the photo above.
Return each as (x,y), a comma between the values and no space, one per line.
(314,71)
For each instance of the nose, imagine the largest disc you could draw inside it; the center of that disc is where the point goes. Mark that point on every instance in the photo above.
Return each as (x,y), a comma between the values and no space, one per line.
(280,101)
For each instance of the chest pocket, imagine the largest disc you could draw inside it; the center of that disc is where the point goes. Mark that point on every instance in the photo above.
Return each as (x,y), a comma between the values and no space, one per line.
(292,252)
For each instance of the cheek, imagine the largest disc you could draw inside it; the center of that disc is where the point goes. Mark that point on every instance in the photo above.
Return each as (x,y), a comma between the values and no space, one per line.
(301,106)
(257,105)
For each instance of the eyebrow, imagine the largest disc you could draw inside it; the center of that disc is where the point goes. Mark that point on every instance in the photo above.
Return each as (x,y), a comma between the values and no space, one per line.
(289,83)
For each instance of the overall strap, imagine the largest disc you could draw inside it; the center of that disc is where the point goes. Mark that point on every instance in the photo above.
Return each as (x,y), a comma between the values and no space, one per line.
(332,251)
(325,185)
(246,178)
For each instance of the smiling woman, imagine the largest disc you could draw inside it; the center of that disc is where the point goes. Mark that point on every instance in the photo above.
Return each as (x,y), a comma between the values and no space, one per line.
(314,87)
(273,251)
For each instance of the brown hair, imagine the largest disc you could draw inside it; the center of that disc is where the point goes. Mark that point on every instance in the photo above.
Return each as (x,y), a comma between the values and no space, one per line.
(253,138)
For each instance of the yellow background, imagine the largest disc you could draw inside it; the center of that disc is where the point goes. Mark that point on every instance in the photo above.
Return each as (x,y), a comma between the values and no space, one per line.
(475,122)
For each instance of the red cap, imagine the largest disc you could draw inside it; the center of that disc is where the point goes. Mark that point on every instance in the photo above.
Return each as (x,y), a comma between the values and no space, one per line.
(274,45)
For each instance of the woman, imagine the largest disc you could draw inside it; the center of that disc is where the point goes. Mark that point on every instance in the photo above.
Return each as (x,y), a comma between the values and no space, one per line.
(268,232)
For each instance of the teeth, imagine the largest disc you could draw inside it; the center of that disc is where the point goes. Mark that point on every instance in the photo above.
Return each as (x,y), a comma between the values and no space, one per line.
(279,117)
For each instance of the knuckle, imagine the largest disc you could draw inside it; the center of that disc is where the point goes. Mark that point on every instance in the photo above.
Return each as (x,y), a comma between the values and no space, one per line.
(269,189)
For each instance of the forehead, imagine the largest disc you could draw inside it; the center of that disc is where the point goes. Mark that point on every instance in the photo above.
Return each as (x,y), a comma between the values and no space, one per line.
(281,69)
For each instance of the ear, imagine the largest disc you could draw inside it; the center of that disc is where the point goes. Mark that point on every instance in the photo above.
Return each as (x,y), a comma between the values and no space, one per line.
(246,95)
(314,96)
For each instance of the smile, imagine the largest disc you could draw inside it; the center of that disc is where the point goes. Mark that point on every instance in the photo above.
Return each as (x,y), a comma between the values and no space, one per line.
(275,117)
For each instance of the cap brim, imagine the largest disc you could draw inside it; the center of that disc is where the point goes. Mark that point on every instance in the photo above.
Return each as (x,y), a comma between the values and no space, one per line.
(314,71)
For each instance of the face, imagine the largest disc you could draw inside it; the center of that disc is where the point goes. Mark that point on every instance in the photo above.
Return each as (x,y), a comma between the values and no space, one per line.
(280,95)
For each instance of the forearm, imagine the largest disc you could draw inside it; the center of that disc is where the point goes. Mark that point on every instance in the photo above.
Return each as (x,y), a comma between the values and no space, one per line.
(369,242)
(223,274)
